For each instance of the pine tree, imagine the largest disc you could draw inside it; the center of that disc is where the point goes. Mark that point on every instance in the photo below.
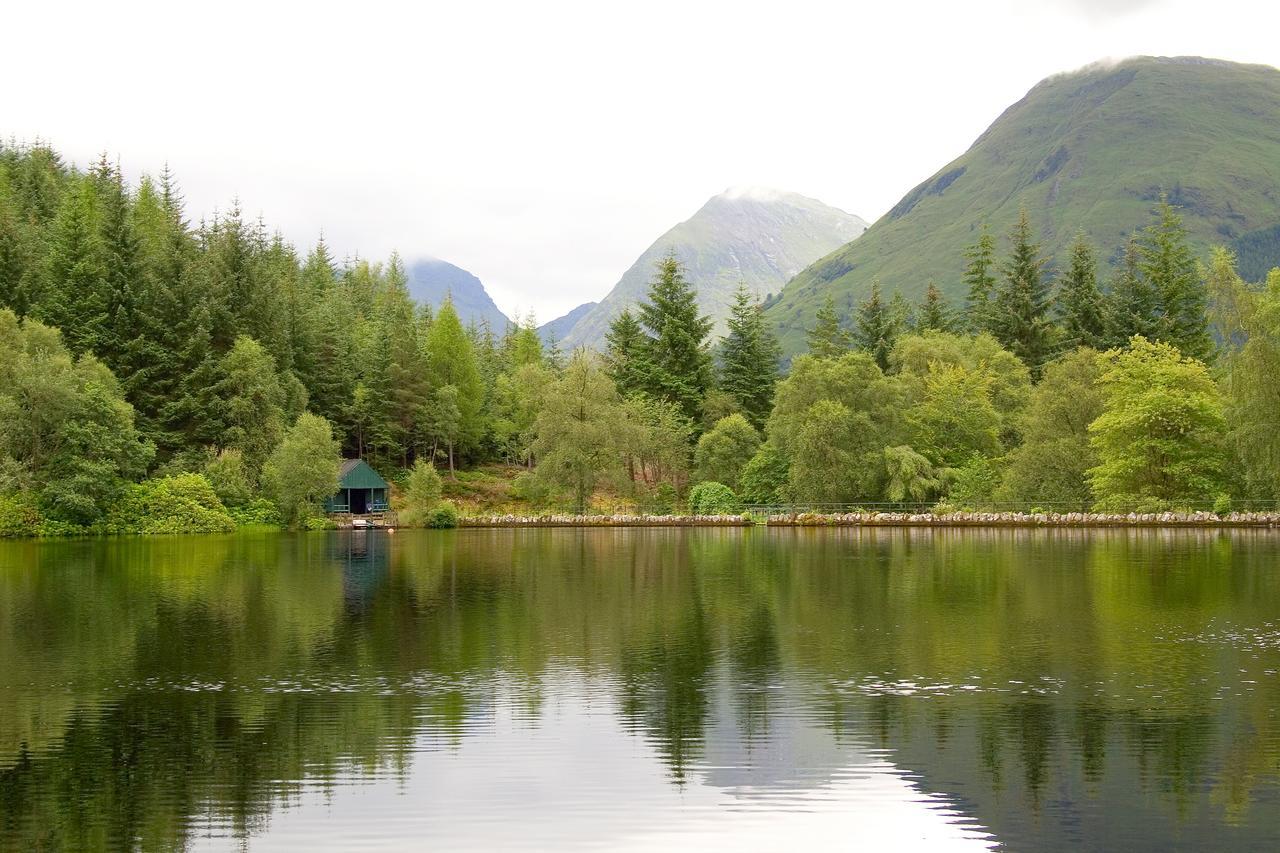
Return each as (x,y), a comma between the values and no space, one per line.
(627,354)
(128,344)
(522,344)
(1021,302)
(406,368)
(176,405)
(318,273)
(281,302)
(253,402)
(72,298)
(679,365)
(451,360)
(13,265)
(1079,301)
(1131,308)
(333,384)
(979,277)
(934,313)
(876,327)
(827,339)
(749,358)
(1169,265)
(555,355)
(42,184)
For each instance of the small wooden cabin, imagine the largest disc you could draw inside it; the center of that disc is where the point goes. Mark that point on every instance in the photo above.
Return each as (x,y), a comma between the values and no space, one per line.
(361,491)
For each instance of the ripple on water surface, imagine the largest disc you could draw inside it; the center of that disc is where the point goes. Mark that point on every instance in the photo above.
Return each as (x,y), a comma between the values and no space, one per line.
(744,689)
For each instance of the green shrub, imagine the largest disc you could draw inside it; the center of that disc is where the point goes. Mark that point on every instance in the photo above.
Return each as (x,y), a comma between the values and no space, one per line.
(421,494)
(764,478)
(712,498)
(183,503)
(19,515)
(442,516)
(661,501)
(229,477)
(303,469)
(1222,504)
(725,450)
(974,485)
(258,512)
(529,487)
(318,522)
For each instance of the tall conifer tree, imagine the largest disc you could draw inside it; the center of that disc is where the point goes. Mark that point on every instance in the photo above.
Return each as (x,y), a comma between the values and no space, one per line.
(1169,265)
(627,353)
(679,365)
(934,313)
(749,355)
(1132,306)
(451,360)
(828,339)
(980,279)
(1079,301)
(13,265)
(72,297)
(1021,303)
(877,327)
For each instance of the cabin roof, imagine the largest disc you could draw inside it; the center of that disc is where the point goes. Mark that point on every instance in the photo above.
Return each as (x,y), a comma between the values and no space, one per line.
(356,474)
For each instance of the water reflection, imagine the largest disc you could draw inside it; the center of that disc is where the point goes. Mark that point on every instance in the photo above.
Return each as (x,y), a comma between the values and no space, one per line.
(1046,690)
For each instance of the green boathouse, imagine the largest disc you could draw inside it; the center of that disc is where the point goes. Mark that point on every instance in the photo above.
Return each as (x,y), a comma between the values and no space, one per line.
(361,490)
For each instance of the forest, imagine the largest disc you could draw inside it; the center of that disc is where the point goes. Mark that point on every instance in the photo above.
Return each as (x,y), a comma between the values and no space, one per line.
(161,375)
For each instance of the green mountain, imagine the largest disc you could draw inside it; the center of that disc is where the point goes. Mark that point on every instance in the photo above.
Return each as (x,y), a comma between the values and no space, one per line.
(757,236)
(1092,150)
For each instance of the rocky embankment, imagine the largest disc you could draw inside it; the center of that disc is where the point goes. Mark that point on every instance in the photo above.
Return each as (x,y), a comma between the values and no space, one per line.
(891,519)
(1024,519)
(606,521)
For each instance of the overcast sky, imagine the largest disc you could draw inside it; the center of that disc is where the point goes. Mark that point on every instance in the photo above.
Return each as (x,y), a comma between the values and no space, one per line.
(545,145)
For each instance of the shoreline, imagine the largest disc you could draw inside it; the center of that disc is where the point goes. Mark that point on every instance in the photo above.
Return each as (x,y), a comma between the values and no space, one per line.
(1078,520)
(956,520)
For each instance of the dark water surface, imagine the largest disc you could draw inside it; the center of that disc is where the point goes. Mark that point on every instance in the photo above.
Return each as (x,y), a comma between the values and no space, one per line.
(642,689)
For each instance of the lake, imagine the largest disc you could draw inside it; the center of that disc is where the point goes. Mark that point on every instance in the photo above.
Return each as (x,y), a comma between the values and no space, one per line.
(731,689)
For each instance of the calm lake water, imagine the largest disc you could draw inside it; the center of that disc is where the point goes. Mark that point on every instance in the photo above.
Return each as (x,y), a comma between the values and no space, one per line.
(644,689)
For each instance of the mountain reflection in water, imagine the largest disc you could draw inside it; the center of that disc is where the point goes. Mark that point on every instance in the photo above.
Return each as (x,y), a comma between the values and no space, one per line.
(743,689)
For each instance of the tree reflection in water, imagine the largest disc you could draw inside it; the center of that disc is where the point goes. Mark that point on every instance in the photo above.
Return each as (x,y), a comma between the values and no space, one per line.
(1061,688)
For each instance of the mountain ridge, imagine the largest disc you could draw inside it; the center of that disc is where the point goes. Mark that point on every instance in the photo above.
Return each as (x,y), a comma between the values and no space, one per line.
(759,236)
(1088,149)
(557,329)
(432,279)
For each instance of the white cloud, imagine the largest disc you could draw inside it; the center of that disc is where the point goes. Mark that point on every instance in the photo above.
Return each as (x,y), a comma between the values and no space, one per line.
(543,146)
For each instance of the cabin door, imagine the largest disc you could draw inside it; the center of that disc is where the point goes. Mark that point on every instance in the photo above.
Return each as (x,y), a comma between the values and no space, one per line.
(359,501)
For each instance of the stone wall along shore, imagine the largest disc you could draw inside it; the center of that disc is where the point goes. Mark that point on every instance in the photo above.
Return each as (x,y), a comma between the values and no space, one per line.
(891,519)
(1024,519)
(606,521)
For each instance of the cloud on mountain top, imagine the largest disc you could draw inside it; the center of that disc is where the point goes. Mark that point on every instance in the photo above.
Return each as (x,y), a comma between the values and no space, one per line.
(1102,9)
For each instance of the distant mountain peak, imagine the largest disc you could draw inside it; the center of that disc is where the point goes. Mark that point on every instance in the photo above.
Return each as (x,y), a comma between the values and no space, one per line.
(756,236)
(431,280)
(753,193)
